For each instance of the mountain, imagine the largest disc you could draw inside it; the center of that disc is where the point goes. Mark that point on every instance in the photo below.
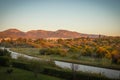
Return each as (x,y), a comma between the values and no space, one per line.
(12,33)
(35,34)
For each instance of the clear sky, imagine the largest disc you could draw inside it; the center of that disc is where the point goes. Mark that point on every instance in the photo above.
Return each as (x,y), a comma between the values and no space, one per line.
(84,16)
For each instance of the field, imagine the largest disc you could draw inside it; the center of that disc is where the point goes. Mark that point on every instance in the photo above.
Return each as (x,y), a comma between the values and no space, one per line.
(82,60)
(19,74)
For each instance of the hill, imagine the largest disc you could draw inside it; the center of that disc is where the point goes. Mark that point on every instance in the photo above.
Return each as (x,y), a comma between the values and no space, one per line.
(35,34)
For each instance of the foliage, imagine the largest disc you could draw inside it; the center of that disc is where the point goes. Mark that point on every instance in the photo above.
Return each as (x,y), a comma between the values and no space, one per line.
(115,57)
(5,61)
(53,51)
(5,58)
(22,65)
(20,74)
(36,67)
(4,52)
(73,50)
(67,74)
(97,48)
(71,57)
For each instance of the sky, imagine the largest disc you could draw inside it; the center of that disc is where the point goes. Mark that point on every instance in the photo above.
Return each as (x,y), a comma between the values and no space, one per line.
(84,16)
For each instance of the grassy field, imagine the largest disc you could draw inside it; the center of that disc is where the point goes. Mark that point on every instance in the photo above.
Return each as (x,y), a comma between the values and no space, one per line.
(19,74)
(82,60)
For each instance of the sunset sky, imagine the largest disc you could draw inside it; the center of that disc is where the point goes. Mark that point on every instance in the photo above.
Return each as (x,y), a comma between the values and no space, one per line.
(84,16)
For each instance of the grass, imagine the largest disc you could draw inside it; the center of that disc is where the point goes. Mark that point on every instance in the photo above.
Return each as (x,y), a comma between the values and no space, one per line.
(19,74)
(105,63)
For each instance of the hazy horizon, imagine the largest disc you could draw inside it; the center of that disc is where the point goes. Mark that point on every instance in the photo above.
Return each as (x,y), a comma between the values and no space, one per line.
(83,16)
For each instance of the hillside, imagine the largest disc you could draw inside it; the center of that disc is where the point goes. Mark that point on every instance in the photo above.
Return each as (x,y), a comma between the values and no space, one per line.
(35,34)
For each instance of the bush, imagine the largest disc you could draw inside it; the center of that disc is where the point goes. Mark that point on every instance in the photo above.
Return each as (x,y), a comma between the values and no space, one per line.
(5,61)
(53,51)
(21,65)
(74,56)
(58,72)
(68,74)
(4,52)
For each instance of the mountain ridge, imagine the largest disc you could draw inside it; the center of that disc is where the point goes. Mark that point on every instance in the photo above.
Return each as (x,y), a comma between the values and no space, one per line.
(35,34)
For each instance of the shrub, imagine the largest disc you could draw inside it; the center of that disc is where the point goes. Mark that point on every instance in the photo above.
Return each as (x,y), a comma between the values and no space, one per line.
(21,65)
(36,67)
(4,61)
(53,51)
(4,52)
(58,72)
(68,74)
(74,56)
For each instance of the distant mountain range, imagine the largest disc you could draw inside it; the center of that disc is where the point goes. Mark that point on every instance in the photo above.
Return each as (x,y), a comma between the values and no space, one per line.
(36,34)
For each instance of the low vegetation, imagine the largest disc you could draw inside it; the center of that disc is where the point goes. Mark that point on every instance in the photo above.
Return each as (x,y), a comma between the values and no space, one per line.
(101,62)
(20,74)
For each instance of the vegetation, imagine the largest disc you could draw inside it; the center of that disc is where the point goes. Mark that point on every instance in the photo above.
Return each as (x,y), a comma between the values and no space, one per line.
(45,67)
(20,74)
(4,52)
(97,48)
(86,60)
(5,58)
(9,72)
(102,52)
(53,51)
(53,70)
